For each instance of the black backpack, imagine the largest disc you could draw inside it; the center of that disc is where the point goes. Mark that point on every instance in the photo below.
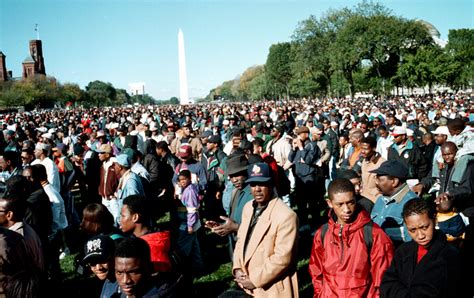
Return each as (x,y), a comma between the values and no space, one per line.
(368,238)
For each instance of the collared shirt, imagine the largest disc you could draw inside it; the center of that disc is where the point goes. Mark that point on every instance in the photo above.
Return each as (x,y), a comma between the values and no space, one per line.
(257,211)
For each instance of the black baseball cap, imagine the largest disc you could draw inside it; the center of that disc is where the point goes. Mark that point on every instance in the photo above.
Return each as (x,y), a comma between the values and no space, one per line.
(98,249)
(392,168)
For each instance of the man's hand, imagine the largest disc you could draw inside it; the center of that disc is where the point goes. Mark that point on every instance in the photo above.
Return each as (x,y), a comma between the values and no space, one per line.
(229,226)
(445,196)
(218,195)
(190,230)
(418,189)
(210,224)
(245,283)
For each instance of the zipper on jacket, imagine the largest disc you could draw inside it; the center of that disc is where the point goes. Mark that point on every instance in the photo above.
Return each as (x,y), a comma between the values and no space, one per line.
(342,244)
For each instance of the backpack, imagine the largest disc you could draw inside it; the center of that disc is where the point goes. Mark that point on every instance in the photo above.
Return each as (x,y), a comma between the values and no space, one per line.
(368,238)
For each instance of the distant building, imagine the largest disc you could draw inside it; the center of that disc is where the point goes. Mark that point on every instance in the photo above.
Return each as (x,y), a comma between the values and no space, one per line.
(434,33)
(3,68)
(137,88)
(32,65)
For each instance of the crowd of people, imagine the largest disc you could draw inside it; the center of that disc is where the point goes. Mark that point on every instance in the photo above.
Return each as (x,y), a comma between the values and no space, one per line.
(383,186)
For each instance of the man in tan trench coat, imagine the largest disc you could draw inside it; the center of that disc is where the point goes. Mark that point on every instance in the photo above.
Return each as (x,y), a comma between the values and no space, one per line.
(265,253)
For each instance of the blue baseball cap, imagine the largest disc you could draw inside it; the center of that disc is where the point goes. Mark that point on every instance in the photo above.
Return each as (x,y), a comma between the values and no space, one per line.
(259,172)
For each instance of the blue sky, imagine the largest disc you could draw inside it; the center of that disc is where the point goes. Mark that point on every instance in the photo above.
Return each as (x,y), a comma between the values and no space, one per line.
(124,41)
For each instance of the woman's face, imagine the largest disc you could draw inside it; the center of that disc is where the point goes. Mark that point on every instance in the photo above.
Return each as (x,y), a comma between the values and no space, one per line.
(421,228)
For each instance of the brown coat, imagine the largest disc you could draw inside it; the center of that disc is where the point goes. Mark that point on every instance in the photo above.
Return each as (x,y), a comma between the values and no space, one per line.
(108,183)
(270,258)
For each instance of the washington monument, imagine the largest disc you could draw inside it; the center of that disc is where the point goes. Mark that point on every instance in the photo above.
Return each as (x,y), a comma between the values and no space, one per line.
(183,79)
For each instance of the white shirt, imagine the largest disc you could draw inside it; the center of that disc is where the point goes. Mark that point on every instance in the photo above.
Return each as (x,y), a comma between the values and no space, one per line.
(57,207)
(51,170)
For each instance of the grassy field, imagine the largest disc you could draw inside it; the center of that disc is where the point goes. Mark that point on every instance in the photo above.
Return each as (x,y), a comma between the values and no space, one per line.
(216,279)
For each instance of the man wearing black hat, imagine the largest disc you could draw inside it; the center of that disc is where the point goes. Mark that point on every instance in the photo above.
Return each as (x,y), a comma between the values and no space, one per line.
(304,155)
(213,161)
(391,181)
(240,195)
(99,256)
(265,253)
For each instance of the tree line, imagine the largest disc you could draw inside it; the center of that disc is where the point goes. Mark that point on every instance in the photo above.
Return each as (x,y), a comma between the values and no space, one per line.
(363,49)
(46,92)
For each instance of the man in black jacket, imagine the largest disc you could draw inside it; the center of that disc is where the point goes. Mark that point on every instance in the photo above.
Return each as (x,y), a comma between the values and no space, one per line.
(304,155)
(213,160)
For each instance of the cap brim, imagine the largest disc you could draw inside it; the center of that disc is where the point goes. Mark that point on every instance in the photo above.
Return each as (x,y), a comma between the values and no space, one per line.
(96,257)
(258,179)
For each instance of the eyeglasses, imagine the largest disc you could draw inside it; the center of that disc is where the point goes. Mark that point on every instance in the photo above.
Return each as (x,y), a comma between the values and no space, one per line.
(3,211)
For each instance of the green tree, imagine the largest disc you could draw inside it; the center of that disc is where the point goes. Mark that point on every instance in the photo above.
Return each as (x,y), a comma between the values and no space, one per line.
(460,51)
(258,88)
(122,97)
(247,78)
(100,93)
(174,100)
(278,70)
(71,92)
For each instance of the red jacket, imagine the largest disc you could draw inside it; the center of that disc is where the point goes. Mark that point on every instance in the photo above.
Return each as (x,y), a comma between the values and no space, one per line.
(341,267)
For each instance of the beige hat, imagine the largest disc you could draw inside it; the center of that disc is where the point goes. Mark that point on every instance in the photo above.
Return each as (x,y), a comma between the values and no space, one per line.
(104,148)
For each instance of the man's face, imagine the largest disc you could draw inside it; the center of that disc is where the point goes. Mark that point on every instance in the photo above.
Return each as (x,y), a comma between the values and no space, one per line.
(261,192)
(238,180)
(186,131)
(342,141)
(363,127)
(211,146)
(366,151)
(102,270)
(130,275)
(344,205)
(390,121)
(103,156)
(3,213)
(236,142)
(26,158)
(385,185)
(421,228)
(3,164)
(117,167)
(354,141)
(376,122)
(440,139)
(448,154)
(38,153)
(383,133)
(303,136)
(159,151)
(274,133)
(399,139)
(127,223)
(317,136)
